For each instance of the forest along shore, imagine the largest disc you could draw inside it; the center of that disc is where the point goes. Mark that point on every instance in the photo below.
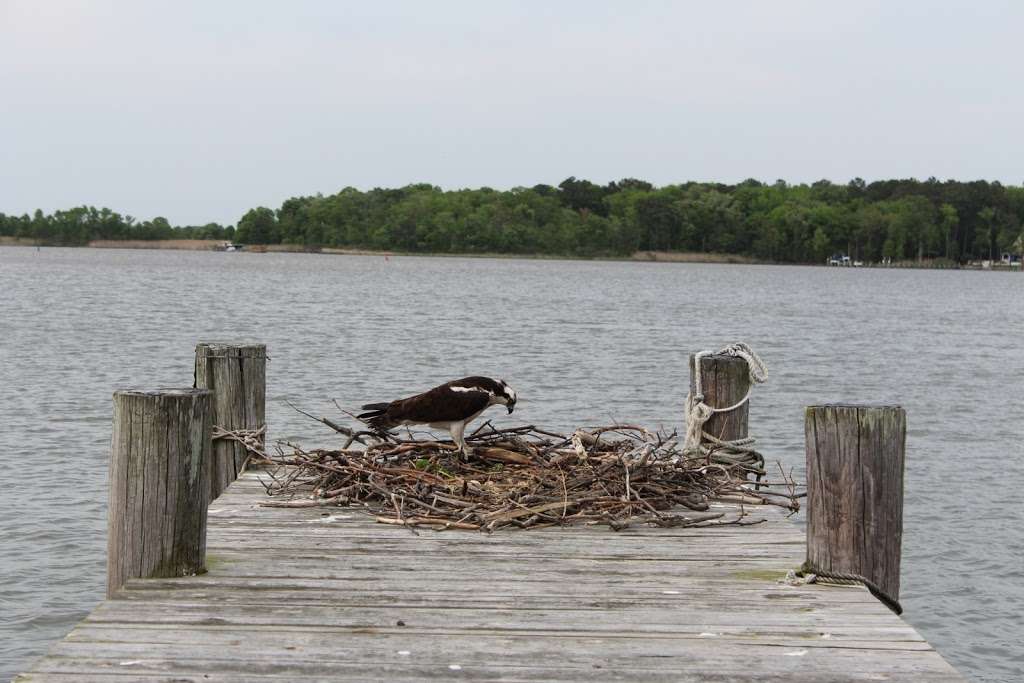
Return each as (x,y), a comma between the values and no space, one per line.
(890,221)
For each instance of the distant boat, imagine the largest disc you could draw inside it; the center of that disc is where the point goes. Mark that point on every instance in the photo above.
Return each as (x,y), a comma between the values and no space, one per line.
(229,246)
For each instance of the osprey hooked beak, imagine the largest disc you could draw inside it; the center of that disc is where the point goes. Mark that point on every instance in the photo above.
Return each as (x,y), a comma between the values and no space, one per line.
(507,396)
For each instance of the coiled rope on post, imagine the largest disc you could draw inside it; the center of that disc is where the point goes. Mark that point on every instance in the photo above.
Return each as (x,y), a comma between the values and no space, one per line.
(698,441)
(252,440)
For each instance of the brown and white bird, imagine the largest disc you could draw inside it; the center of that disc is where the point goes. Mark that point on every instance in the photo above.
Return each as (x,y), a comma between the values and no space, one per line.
(450,407)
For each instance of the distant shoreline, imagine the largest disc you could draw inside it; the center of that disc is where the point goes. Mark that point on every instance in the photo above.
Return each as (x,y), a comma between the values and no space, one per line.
(642,256)
(214,245)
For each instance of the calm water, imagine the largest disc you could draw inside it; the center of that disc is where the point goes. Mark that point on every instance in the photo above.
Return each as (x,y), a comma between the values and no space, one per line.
(582,342)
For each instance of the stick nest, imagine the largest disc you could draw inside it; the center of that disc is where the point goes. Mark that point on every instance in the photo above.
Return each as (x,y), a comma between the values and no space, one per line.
(526,478)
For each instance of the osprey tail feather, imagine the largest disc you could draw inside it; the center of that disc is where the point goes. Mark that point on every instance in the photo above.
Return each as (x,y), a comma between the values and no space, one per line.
(375,415)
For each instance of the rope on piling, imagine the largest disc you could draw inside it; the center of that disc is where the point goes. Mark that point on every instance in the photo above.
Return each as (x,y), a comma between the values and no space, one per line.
(815,575)
(252,440)
(700,442)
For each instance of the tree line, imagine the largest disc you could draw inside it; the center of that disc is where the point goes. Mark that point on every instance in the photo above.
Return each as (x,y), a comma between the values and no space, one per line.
(894,219)
(83,224)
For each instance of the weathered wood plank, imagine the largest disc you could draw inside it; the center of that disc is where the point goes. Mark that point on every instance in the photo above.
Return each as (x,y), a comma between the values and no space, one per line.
(569,656)
(342,592)
(413,554)
(407,676)
(668,668)
(412,674)
(789,609)
(493,572)
(278,636)
(712,653)
(688,619)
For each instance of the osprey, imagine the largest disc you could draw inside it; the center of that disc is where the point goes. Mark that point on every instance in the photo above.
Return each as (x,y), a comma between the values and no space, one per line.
(450,406)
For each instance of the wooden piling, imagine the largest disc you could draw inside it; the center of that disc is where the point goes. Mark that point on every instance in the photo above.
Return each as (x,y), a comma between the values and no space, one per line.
(855,458)
(237,376)
(156,520)
(725,380)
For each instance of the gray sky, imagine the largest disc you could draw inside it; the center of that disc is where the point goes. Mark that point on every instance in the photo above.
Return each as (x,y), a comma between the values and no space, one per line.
(198,111)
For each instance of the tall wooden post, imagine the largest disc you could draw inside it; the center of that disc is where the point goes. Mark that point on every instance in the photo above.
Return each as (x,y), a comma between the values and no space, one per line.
(156,520)
(237,375)
(725,380)
(855,491)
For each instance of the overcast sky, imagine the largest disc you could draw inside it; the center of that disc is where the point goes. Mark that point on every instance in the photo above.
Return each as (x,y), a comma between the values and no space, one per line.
(198,111)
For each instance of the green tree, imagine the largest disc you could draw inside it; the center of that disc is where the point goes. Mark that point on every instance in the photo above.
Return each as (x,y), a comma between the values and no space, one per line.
(985,235)
(583,195)
(949,222)
(258,226)
(820,243)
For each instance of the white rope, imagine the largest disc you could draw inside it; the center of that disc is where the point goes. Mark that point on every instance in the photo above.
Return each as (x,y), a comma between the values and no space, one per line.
(252,440)
(698,412)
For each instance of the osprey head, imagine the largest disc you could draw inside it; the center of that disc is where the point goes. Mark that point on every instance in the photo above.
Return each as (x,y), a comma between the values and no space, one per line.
(508,394)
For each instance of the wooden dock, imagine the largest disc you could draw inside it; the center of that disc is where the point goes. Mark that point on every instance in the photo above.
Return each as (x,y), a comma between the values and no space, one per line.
(326,594)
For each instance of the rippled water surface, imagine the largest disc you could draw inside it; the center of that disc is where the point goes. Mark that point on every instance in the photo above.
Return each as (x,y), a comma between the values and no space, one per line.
(582,342)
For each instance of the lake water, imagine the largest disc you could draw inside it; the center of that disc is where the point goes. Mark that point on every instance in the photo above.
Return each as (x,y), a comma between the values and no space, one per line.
(584,343)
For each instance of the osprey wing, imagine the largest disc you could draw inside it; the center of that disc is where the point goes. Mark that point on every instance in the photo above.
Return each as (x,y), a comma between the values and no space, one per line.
(441,404)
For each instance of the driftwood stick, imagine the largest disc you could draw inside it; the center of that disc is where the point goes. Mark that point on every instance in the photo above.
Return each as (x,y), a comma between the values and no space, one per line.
(428,521)
(315,503)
